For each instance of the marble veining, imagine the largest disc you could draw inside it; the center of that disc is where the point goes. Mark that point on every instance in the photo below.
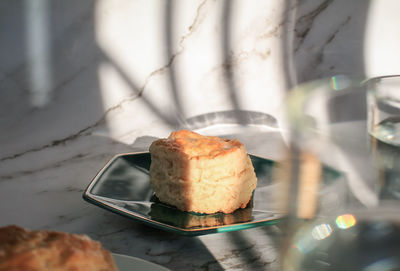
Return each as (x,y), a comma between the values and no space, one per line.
(305,22)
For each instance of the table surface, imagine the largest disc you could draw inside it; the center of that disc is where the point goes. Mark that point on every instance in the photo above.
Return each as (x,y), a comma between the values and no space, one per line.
(42,189)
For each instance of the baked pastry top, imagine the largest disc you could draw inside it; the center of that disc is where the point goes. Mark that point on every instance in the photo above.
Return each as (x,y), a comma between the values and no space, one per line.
(21,249)
(195,145)
(204,174)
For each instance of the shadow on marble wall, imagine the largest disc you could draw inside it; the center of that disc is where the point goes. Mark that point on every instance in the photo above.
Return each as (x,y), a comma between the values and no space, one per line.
(226,51)
(49,84)
(174,79)
(328,38)
(54,61)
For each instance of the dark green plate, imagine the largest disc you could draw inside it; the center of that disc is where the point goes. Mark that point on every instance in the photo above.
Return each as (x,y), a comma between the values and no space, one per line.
(123,187)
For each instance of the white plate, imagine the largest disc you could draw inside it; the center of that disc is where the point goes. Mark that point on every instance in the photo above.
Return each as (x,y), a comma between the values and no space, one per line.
(128,263)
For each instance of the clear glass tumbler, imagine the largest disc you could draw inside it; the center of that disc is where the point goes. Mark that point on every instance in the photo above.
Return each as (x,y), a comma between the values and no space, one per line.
(384,108)
(384,128)
(328,127)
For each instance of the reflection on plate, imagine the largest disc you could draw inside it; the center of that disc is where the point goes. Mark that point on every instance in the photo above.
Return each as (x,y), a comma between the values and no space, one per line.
(173,216)
(127,263)
(123,187)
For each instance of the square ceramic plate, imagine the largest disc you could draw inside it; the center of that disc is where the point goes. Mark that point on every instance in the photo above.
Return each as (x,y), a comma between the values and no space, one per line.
(123,187)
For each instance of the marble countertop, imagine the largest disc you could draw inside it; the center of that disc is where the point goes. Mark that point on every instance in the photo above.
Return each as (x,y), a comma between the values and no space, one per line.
(42,189)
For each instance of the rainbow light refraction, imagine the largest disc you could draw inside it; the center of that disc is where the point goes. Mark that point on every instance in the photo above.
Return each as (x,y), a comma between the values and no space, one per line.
(334,83)
(345,221)
(322,231)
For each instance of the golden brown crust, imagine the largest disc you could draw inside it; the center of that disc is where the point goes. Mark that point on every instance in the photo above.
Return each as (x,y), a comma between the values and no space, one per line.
(194,145)
(21,249)
(203,174)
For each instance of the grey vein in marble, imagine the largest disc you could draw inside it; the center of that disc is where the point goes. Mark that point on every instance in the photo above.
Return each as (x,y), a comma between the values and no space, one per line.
(57,164)
(319,57)
(192,28)
(305,22)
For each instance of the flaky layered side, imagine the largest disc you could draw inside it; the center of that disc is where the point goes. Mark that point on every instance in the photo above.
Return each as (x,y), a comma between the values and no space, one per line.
(200,173)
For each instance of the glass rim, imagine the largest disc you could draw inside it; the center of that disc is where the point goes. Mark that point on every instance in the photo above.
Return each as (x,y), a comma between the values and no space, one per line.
(378,78)
(300,95)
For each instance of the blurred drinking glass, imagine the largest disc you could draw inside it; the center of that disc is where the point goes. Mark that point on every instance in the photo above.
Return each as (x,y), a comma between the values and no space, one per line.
(384,128)
(328,227)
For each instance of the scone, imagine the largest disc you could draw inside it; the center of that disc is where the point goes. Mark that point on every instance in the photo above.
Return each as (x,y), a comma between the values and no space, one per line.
(21,249)
(203,174)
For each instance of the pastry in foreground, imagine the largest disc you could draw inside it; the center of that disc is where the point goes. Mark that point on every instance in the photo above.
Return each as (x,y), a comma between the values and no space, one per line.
(21,249)
(203,174)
